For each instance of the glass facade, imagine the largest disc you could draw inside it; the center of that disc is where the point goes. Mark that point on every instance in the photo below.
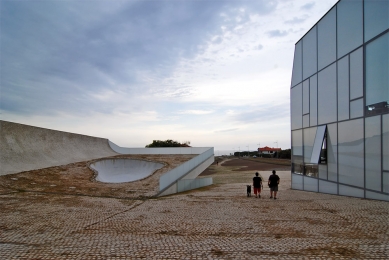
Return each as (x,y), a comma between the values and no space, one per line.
(340,103)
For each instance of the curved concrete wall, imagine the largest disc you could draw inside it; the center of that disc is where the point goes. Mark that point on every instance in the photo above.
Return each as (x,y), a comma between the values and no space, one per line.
(24,148)
(123,170)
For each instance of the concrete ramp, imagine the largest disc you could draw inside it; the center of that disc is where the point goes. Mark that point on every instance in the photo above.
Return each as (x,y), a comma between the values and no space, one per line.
(123,170)
(25,148)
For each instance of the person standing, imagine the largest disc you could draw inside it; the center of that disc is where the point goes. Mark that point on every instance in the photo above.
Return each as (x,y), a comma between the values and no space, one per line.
(273,182)
(257,183)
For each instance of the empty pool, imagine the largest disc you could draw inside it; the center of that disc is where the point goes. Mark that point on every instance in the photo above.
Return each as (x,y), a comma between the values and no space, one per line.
(124,170)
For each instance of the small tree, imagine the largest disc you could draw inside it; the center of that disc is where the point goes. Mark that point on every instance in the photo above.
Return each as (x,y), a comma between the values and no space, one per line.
(168,143)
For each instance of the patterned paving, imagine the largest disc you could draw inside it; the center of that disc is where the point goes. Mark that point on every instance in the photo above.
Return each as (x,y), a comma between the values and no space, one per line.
(217,222)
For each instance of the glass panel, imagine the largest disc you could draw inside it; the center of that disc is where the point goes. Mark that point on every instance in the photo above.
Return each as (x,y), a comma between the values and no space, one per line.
(306,120)
(351,152)
(309,138)
(386,182)
(309,54)
(311,170)
(313,100)
(332,152)
(297,151)
(356,108)
(296,96)
(376,18)
(297,182)
(350,191)
(373,153)
(327,111)
(326,34)
(356,74)
(306,97)
(376,196)
(311,184)
(349,26)
(323,173)
(385,141)
(377,76)
(297,73)
(317,144)
(343,89)
(328,187)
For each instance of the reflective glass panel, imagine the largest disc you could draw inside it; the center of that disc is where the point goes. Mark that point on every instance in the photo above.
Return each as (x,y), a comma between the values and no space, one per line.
(343,89)
(306,97)
(306,120)
(350,29)
(317,144)
(332,152)
(385,141)
(313,100)
(328,187)
(296,104)
(351,191)
(356,108)
(297,73)
(323,172)
(309,138)
(309,53)
(376,18)
(326,34)
(311,184)
(356,74)
(327,103)
(297,151)
(377,76)
(373,152)
(386,182)
(350,152)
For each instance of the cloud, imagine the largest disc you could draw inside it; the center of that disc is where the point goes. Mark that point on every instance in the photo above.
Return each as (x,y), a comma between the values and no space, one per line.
(277,33)
(308,6)
(259,47)
(261,115)
(227,130)
(196,112)
(296,20)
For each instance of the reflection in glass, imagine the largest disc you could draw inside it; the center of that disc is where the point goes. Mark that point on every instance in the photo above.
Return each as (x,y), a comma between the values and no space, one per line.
(297,151)
(326,32)
(377,76)
(356,74)
(328,187)
(313,100)
(376,18)
(356,108)
(327,111)
(351,152)
(297,72)
(386,182)
(296,96)
(306,97)
(306,120)
(323,173)
(373,152)
(309,138)
(332,155)
(311,184)
(317,155)
(350,191)
(385,141)
(309,53)
(343,89)
(350,29)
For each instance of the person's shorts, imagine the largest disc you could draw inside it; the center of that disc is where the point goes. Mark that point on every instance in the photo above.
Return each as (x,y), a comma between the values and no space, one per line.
(257,190)
(274,188)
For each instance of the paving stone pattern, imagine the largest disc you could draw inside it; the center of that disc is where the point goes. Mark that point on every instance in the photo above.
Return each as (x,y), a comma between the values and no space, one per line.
(216,222)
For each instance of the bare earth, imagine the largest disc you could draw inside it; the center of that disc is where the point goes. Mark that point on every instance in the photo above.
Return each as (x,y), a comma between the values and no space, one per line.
(79,218)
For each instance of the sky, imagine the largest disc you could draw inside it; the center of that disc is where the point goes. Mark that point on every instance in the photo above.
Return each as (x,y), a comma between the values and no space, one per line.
(216,73)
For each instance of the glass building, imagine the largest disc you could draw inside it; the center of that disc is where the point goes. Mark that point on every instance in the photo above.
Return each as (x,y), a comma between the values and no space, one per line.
(339,102)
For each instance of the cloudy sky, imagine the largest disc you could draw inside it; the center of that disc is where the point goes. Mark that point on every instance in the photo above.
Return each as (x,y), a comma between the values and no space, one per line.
(212,72)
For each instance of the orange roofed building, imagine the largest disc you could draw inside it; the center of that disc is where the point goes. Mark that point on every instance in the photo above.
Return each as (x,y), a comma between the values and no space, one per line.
(268,150)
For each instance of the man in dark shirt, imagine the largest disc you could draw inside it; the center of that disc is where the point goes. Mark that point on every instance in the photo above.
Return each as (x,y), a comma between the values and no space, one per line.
(257,183)
(273,182)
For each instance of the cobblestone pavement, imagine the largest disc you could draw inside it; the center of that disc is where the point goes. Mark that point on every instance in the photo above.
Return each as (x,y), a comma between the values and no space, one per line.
(216,222)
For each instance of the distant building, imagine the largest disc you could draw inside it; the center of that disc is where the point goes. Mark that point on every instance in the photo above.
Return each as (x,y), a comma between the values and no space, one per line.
(340,103)
(268,150)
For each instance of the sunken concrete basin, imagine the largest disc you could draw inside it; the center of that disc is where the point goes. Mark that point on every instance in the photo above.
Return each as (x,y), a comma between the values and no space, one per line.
(123,170)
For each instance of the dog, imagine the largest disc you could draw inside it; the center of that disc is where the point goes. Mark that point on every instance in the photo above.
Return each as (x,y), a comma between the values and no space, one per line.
(248,190)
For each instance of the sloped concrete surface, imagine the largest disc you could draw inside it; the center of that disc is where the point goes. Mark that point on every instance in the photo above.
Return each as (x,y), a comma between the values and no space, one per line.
(123,170)
(24,148)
